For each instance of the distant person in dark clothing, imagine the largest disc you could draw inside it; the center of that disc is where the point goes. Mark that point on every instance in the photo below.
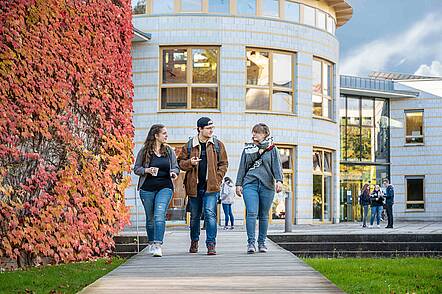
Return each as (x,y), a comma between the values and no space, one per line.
(376,203)
(364,201)
(389,201)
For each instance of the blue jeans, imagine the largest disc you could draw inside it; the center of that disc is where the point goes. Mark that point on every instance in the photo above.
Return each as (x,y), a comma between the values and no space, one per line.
(155,206)
(227,208)
(206,201)
(258,200)
(376,211)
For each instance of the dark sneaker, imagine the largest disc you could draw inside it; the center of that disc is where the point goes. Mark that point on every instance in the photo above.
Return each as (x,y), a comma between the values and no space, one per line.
(262,248)
(251,248)
(193,247)
(211,249)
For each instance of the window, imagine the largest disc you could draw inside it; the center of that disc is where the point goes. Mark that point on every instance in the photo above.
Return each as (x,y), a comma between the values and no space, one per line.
(320,19)
(176,212)
(219,6)
(162,6)
(270,83)
(322,184)
(246,7)
(330,25)
(270,8)
(415,192)
(309,15)
(138,6)
(278,205)
(189,78)
(291,11)
(414,127)
(191,5)
(322,88)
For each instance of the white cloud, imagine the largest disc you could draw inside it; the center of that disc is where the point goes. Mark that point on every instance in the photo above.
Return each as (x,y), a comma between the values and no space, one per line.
(433,70)
(422,40)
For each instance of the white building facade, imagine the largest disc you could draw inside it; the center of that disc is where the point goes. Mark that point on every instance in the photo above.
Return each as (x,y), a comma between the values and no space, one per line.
(240,63)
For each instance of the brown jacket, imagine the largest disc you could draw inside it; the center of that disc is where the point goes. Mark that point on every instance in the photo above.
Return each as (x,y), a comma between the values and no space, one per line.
(215,169)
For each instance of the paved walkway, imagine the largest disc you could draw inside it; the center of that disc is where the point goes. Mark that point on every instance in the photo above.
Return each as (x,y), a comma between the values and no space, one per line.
(231,271)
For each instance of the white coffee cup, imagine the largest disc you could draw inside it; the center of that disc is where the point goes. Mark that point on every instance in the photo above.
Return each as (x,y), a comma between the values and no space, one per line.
(154,171)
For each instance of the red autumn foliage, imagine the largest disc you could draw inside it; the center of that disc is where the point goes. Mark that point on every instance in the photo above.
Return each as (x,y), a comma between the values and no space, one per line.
(65,127)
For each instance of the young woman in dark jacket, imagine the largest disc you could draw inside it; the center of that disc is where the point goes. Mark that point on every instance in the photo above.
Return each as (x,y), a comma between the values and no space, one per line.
(376,203)
(156,165)
(364,201)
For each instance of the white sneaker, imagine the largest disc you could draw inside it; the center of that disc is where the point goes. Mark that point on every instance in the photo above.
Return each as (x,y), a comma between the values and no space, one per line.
(378,226)
(370,226)
(150,248)
(157,252)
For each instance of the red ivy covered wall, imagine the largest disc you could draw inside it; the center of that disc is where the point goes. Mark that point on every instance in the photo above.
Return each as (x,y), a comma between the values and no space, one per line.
(65,127)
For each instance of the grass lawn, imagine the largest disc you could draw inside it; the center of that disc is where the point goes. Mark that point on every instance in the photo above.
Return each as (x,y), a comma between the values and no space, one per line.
(382,275)
(65,278)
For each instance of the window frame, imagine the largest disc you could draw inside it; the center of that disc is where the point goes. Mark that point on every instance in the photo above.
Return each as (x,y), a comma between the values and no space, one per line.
(270,86)
(325,62)
(323,174)
(292,173)
(415,177)
(406,111)
(189,85)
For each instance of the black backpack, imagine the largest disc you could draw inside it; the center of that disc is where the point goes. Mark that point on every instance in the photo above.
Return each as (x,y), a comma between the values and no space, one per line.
(215,143)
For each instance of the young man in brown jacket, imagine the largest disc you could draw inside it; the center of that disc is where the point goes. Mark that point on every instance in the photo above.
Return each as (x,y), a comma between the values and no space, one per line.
(204,159)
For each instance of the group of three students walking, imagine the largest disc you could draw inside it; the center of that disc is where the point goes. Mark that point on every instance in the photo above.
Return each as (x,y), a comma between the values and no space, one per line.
(204,160)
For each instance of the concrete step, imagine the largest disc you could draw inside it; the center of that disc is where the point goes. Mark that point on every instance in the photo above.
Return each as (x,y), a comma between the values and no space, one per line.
(369,237)
(361,246)
(366,254)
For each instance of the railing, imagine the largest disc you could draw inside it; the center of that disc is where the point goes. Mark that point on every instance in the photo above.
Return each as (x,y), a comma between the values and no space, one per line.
(366,83)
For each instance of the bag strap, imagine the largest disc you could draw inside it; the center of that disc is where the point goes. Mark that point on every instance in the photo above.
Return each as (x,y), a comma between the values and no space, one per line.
(258,158)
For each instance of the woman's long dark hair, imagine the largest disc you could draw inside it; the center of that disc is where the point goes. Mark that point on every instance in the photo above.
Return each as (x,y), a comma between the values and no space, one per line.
(149,143)
(364,190)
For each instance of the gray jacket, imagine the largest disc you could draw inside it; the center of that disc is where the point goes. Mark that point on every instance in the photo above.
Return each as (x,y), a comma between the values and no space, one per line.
(267,169)
(140,166)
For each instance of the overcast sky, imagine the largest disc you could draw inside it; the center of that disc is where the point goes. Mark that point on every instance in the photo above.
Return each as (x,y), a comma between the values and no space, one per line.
(392,35)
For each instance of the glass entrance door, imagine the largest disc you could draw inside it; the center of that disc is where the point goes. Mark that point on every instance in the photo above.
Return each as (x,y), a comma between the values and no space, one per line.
(350,208)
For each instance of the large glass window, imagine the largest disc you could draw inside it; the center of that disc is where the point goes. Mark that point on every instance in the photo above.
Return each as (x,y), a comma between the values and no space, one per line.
(278,205)
(191,5)
(219,6)
(270,84)
(366,124)
(189,78)
(414,127)
(138,6)
(162,6)
(382,123)
(246,7)
(309,15)
(270,8)
(322,88)
(415,192)
(322,184)
(291,11)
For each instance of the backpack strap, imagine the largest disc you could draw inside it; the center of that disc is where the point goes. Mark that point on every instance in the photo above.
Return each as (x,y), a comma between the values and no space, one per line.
(215,144)
(189,147)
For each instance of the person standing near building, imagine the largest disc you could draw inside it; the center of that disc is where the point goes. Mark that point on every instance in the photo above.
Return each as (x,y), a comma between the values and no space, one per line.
(389,201)
(156,165)
(376,203)
(227,199)
(204,159)
(260,167)
(364,201)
